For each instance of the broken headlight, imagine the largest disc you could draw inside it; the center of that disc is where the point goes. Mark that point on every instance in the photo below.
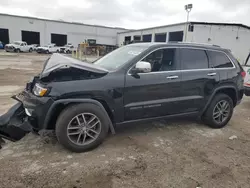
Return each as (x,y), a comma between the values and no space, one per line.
(40,91)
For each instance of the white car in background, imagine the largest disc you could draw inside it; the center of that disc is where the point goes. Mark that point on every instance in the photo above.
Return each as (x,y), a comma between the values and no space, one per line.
(51,48)
(35,46)
(18,46)
(68,48)
(246,68)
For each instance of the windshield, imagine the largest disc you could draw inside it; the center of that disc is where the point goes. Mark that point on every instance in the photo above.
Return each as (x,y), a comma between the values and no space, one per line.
(119,57)
(17,43)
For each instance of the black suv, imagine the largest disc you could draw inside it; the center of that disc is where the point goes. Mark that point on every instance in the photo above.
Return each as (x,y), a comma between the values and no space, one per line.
(137,82)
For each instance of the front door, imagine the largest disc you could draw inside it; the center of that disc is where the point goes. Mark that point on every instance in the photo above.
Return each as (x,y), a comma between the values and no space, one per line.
(154,94)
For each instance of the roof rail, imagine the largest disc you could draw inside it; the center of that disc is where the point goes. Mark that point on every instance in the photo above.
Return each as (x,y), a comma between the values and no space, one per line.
(199,43)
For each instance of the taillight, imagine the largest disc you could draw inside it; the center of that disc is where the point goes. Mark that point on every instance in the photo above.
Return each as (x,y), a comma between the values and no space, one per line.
(243,74)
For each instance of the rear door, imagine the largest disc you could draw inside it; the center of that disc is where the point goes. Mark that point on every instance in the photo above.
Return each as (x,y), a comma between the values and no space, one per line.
(198,79)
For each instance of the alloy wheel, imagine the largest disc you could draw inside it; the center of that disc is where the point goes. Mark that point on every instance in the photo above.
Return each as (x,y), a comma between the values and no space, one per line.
(221,111)
(83,129)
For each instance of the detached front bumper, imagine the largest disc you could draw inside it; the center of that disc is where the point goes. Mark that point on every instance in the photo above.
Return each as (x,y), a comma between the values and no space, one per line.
(36,108)
(14,124)
(27,115)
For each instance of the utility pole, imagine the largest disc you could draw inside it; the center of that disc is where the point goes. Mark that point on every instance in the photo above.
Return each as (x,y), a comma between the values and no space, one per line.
(188,9)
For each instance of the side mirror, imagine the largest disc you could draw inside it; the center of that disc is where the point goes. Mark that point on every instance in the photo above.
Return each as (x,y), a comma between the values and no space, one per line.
(141,67)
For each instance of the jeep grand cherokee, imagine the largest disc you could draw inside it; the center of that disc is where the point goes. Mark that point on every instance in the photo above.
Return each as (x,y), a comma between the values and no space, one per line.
(137,82)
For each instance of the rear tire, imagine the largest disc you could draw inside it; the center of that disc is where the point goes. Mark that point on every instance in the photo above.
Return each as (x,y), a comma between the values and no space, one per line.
(47,51)
(219,112)
(30,50)
(77,136)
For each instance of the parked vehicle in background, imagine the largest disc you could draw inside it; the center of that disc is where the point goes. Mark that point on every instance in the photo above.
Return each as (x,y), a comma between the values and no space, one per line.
(1,45)
(51,48)
(246,67)
(68,48)
(18,46)
(35,46)
(135,83)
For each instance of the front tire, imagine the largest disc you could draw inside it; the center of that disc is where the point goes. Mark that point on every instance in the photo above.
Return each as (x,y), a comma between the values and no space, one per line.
(219,111)
(82,127)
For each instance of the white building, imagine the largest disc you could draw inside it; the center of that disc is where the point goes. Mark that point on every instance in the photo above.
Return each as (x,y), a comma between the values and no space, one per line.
(235,37)
(44,31)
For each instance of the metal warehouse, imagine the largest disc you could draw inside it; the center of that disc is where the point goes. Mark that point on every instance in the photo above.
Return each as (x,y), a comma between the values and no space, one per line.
(44,31)
(235,37)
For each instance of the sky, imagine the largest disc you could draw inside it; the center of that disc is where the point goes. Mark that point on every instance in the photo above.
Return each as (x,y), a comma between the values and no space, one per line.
(131,14)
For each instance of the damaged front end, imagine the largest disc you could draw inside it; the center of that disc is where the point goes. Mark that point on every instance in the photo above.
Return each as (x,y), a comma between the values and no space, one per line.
(31,111)
(14,124)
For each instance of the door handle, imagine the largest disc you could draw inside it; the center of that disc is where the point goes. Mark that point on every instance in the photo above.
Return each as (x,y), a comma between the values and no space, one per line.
(172,77)
(211,74)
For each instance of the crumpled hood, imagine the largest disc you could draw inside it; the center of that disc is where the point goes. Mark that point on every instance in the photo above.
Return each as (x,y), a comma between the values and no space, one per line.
(58,61)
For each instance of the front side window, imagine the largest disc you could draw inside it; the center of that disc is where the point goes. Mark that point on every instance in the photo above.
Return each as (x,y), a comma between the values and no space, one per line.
(193,59)
(162,60)
(219,60)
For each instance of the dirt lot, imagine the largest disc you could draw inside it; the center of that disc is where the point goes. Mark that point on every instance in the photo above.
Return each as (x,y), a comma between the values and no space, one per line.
(178,154)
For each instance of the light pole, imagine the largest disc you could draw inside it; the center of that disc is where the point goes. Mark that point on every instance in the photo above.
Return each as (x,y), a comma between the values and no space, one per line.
(188,9)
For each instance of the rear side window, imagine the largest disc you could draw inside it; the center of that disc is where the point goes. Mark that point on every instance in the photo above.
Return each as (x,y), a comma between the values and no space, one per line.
(219,60)
(193,59)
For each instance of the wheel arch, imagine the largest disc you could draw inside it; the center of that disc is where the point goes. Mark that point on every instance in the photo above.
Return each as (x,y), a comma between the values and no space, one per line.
(231,91)
(57,107)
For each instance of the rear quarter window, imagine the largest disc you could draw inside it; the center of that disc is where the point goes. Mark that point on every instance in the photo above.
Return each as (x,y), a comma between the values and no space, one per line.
(219,60)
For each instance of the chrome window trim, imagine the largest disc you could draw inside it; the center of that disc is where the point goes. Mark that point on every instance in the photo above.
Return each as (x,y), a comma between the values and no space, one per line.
(195,48)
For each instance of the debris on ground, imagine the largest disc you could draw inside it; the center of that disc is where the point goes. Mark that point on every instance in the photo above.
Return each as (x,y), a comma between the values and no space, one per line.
(233,137)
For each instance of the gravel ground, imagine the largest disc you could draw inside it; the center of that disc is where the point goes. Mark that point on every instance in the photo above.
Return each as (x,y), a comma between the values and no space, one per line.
(180,153)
